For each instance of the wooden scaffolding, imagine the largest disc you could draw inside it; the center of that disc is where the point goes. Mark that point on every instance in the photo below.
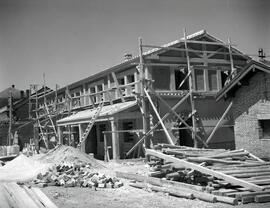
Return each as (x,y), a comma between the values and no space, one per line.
(196,130)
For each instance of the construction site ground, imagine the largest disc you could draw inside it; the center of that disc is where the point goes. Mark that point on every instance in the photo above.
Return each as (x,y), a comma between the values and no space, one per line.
(26,169)
(126,196)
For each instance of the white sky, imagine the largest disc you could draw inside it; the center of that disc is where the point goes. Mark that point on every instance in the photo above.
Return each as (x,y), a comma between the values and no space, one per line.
(71,39)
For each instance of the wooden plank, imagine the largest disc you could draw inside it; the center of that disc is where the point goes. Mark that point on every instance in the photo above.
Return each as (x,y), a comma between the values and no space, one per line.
(212,160)
(4,203)
(247,199)
(205,170)
(258,181)
(223,191)
(20,196)
(157,181)
(227,200)
(171,191)
(262,198)
(250,170)
(256,193)
(247,175)
(226,155)
(185,148)
(255,157)
(33,196)
(179,192)
(43,198)
(246,165)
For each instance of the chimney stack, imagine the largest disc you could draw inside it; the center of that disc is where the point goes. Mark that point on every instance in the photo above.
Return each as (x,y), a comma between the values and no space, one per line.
(127,56)
(261,53)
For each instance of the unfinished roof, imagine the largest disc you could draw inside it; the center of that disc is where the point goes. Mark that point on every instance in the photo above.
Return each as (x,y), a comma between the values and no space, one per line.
(235,83)
(86,115)
(135,59)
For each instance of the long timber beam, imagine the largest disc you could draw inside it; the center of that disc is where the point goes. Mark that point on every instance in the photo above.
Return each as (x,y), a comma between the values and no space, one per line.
(205,170)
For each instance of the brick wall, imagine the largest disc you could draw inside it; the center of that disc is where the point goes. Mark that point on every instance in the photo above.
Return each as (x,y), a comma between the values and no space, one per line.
(252,103)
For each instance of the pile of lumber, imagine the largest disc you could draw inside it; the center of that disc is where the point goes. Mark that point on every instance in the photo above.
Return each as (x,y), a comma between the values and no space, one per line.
(80,175)
(232,177)
(13,195)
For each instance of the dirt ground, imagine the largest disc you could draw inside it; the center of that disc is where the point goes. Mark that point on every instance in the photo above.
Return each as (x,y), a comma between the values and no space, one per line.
(126,196)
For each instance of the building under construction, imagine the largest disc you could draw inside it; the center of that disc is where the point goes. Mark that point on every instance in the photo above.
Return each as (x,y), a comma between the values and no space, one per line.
(165,94)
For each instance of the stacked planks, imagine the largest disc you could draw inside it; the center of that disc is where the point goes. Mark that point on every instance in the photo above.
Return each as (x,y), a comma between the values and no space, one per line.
(14,196)
(237,175)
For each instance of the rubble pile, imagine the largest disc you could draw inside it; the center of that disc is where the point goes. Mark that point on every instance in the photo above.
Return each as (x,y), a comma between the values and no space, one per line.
(80,175)
(62,154)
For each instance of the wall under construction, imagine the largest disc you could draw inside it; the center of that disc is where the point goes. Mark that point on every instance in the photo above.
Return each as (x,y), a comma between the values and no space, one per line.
(251,111)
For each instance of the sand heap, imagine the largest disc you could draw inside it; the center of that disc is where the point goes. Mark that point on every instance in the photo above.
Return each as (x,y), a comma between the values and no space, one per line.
(22,168)
(67,154)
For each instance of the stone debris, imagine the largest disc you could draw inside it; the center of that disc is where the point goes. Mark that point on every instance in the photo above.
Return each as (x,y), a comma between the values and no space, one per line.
(76,175)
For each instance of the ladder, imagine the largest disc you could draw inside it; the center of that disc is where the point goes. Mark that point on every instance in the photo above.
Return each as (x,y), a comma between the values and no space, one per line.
(41,132)
(91,123)
(50,118)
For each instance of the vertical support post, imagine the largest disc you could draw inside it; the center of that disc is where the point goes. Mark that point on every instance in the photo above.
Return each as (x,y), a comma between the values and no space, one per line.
(145,104)
(36,137)
(115,139)
(10,118)
(29,102)
(231,58)
(191,93)
(84,98)
(55,99)
(81,130)
(60,135)
(137,88)
(109,95)
(69,135)
(105,148)
(127,88)
(36,93)
(68,101)
(44,86)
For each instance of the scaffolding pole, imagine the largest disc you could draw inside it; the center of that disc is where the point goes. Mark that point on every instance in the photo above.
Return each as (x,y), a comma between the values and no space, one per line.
(191,92)
(10,118)
(145,107)
(230,54)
